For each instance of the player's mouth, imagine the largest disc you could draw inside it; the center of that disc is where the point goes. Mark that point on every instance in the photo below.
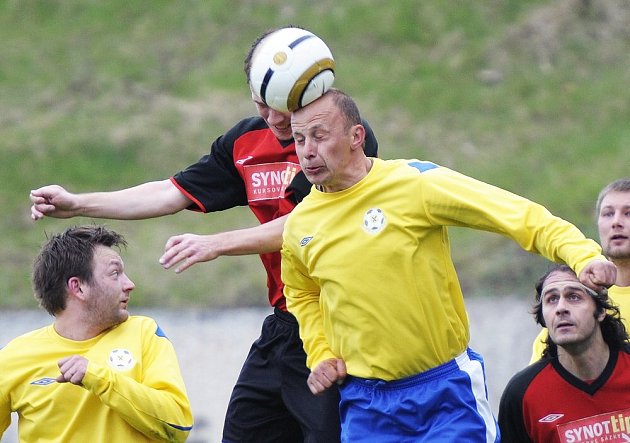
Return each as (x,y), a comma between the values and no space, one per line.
(313,170)
(283,129)
(283,132)
(564,325)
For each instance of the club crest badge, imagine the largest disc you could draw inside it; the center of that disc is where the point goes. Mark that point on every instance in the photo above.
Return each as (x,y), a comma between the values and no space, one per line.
(121,359)
(374,221)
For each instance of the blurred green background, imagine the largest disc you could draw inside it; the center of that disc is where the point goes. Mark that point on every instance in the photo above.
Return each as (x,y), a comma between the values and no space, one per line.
(531,96)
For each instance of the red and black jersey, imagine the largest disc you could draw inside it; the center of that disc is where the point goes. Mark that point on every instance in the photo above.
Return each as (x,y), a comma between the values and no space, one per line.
(546,403)
(248,165)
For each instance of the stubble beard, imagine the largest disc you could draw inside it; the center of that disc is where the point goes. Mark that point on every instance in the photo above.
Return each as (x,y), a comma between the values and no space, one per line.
(617,253)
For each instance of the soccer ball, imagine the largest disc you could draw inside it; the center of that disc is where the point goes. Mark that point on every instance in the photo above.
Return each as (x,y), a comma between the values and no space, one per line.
(291,68)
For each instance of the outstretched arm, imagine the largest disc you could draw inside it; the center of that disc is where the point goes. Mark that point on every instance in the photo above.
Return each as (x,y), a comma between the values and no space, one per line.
(188,249)
(148,200)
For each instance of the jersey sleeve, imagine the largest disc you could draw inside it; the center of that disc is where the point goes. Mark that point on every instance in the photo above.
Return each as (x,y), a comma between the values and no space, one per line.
(158,406)
(5,413)
(213,183)
(302,296)
(454,199)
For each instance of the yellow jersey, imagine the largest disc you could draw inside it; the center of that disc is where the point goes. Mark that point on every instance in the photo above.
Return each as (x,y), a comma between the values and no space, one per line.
(132,391)
(368,270)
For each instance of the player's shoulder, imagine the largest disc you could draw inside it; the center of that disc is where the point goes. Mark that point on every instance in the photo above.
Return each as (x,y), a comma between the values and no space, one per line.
(520,381)
(405,169)
(624,351)
(422,166)
(144,323)
(22,340)
(413,166)
(241,129)
(246,125)
(138,322)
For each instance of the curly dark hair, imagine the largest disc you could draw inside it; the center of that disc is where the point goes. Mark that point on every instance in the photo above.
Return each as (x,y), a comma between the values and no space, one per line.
(613,330)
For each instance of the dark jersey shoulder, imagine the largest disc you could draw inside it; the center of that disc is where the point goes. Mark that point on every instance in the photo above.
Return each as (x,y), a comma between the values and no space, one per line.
(213,183)
(243,127)
(510,417)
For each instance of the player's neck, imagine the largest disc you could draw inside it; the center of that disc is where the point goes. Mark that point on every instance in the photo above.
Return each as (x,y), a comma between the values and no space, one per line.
(586,364)
(623,272)
(75,328)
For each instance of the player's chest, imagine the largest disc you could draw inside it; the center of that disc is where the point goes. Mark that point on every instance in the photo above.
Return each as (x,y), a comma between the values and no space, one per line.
(266,168)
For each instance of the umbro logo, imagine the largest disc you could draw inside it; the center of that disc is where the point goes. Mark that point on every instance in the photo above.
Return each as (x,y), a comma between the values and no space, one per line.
(305,240)
(43,381)
(243,160)
(550,418)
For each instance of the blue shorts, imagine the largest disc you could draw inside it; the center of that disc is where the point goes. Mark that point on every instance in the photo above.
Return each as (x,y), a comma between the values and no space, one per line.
(448,403)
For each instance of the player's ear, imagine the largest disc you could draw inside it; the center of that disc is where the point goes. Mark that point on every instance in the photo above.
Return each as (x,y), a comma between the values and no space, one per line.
(74,286)
(358,136)
(600,314)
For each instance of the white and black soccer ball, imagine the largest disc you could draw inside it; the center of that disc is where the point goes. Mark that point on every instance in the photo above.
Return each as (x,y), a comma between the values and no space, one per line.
(291,68)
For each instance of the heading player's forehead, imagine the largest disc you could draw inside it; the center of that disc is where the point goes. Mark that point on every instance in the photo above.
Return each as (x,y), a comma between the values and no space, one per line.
(321,112)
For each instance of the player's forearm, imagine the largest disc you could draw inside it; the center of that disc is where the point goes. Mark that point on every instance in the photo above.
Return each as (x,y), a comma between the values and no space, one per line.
(163,412)
(305,307)
(260,239)
(148,200)
(173,423)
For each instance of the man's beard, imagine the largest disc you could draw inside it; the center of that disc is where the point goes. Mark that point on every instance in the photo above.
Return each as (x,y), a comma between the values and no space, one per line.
(621,254)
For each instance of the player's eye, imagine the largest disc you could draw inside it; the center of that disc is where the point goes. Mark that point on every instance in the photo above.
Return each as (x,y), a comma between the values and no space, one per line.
(551,298)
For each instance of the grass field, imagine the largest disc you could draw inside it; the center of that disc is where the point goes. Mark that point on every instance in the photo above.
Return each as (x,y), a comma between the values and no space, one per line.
(531,96)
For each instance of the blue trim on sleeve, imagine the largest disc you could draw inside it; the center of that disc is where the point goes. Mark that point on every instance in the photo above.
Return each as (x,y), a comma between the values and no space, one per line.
(423,166)
(181,428)
(160,333)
